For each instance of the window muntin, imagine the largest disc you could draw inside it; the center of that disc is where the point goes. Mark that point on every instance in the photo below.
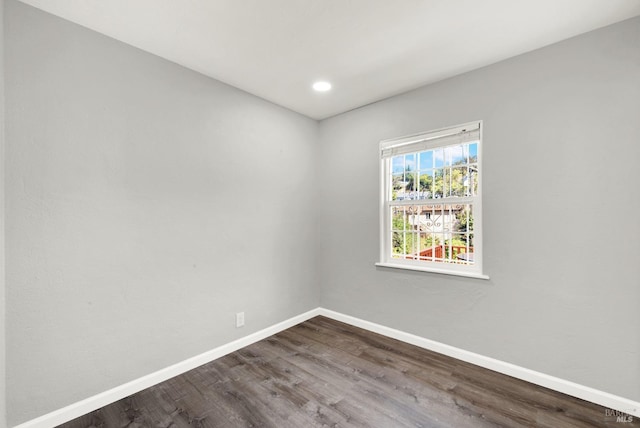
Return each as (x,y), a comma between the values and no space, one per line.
(430,201)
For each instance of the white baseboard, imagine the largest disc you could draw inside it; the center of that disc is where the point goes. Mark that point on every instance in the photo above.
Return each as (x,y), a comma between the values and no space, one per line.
(564,386)
(118,393)
(100,400)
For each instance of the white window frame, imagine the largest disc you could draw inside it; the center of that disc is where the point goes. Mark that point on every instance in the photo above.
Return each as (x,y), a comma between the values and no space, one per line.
(414,144)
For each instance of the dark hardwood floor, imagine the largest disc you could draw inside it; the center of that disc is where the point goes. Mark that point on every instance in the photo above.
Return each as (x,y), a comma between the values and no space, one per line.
(323,373)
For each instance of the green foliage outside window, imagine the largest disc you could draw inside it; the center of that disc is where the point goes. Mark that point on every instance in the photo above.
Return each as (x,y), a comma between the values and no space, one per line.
(405,236)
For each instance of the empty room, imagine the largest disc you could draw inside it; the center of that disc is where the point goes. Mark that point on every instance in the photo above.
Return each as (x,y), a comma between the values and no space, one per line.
(320,213)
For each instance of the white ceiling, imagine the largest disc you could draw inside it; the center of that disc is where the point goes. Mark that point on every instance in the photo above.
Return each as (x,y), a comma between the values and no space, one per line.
(368,49)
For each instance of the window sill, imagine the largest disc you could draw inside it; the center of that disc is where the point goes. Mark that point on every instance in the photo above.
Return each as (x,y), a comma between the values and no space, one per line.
(431,270)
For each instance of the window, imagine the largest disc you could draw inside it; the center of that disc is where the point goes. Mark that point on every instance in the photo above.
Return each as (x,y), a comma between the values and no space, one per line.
(431,195)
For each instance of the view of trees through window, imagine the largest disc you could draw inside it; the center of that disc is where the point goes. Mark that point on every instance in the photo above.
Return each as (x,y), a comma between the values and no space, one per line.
(432,204)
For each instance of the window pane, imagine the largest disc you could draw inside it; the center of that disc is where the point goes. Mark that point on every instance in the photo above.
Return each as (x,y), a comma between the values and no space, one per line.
(397,244)
(473,152)
(411,177)
(452,182)
(437,183)
(473,180)
(458,175)
(410,162)
(398,219)
(464,219)
(454,155)
(397,187)
(426,159)
(457,245)
(446,176)
(438,248)
(397,164)
(426,184)
(427,245)
(438,158)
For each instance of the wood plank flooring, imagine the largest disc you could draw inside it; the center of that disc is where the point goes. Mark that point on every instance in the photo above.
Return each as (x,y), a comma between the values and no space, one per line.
(323,373)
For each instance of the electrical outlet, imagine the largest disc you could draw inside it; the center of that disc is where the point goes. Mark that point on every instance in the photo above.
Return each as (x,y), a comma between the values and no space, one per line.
(239,319)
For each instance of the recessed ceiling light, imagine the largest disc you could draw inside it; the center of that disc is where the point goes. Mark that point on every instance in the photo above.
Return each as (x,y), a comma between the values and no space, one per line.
(322,86)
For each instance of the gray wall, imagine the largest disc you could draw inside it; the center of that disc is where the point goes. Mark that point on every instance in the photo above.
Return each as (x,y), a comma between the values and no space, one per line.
(145,205)
(561,150)
(3,400)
